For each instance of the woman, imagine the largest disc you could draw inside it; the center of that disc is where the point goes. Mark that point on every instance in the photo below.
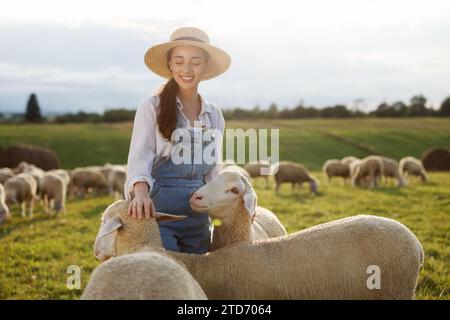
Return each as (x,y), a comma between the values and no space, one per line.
(171,131)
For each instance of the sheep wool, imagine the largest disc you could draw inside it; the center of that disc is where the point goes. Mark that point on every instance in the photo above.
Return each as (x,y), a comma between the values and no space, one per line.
(328,261)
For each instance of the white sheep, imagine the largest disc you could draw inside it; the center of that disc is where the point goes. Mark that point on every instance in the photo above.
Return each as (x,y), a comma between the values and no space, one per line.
(84,179)
(5,214)
(21,189)
(391,170)
(260,168)
(412,166)
(5,174)
(53,188)
(64,174)
(116,181)
(349,159)
(231,198)
(142,276)
(367,171)
(32,170)
(335,260)
(295,173)
(336,168)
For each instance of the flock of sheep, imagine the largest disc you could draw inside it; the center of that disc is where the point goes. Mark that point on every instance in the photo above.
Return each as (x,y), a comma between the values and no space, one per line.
(366,172)
(27,183)
(251,255)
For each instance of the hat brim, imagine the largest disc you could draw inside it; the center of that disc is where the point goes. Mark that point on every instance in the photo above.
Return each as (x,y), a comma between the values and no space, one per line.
(156,58)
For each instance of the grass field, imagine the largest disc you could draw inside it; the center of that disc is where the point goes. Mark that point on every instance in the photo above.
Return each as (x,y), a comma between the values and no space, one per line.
(34,255)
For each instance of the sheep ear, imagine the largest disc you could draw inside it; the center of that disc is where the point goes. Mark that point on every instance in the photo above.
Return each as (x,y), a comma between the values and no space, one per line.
(249,198)
(109,226)
(161,216)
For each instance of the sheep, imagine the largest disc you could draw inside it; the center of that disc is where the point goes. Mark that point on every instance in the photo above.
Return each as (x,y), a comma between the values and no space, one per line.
(5,215)
(353,165)
(116,181)
(34,171)
(5,174)
(82,179)
(391,170)
(335,168)
(53,188)
(412,166)
(64,174)
(334,260)
(296,173)
(220,198)
(142,276)
(21,189)
(349,159)
(368,170)
(257,169)
(106,168)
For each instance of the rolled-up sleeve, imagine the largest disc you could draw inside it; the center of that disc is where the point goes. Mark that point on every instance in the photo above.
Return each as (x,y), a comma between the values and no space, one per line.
(142,150)
(218,154)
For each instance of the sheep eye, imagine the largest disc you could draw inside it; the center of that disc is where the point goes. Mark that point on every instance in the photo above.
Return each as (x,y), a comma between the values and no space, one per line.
(235,190)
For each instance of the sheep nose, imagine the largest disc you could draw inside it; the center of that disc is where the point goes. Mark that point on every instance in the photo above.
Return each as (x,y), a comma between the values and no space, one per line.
(195,196)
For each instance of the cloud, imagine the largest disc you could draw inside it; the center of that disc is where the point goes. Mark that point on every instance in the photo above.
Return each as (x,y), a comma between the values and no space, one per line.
(322,52)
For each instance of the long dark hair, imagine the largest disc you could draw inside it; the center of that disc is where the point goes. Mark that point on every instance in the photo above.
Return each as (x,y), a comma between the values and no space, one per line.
(167,115)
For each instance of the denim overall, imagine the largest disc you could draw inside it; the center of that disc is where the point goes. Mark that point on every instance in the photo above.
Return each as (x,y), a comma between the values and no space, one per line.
(171,192)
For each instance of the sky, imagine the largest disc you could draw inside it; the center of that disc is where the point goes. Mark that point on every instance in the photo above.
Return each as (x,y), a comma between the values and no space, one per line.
(88,55)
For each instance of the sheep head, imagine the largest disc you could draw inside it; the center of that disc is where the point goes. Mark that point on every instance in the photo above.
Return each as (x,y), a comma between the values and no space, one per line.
(228,189)
(121,234)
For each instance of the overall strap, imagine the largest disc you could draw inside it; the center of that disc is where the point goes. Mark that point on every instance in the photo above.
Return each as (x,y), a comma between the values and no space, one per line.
(213,124)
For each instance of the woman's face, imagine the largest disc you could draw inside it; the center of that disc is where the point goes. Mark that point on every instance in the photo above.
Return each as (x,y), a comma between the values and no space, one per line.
(188,64)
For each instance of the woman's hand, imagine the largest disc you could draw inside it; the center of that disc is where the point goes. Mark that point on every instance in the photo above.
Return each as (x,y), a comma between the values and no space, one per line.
(142,205)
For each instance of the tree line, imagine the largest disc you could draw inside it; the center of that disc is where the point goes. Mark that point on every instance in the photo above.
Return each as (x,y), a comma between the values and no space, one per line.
(415,108)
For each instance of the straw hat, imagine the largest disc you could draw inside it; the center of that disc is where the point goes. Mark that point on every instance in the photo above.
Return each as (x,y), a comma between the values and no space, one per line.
(156,57)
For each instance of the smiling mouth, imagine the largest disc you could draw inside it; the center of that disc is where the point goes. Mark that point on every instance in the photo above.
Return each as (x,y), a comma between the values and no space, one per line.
(187,79)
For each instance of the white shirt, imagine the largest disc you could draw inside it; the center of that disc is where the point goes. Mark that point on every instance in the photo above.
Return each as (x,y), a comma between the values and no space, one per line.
(148,146)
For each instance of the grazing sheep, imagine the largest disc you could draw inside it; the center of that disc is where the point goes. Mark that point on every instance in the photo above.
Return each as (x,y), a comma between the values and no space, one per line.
(21,189)
(222,198)
(84,179)
(295,173)
(64,174)
(390,170)
(349,159)
(53,188)
(36,172)
(5,174)
(353,165)
(412,166)
(369,170)
(116,182)
(107,168)
(335,168)
(257,169)
(142,276)
(4,210)
(334,260)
